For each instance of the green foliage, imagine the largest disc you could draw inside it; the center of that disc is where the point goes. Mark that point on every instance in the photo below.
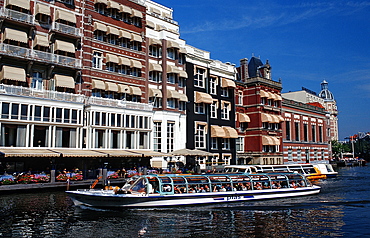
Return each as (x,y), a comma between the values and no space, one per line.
(338,148)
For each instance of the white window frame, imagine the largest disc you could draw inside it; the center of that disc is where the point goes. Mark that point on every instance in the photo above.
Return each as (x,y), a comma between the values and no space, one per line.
(200,136)
(213,85)
(213,109)
(225,110)
(199,77)
(97,60)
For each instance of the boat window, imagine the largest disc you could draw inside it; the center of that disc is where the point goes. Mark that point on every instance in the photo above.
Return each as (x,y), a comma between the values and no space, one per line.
(138,186)
(165,179)
(178,180)
(198,179)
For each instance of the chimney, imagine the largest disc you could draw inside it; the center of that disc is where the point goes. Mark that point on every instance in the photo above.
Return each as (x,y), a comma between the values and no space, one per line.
(244,69)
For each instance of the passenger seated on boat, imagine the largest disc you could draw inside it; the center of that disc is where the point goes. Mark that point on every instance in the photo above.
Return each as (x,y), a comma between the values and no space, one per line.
(276,185)
(201,190)
(229,188)
(266,185)
(292,185)
(258,186)
(207,188)
(191,190)
(167,188)
(248,186)
(177,190)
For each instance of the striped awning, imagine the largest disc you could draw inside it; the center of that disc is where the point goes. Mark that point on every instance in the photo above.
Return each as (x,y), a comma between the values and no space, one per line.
(64,81)
(16,35)
(172,44)
(123,88)
(125,9)
(244,117)
(136,13)
(124,61)
(112,58)
(271,95)
(281,118)
(14,152)
(136,64)
(64,15)
(42,9)
(41,40)
(183,98)
(13,73)
(264,94)
(64,46)
(155,67)
(154,41)
(124,34)
(227,83)
(230,132)
(98,84)
(137,38)
(173,94)
(217,131)
(154,92)
(135,91)
(99,26)
(25,4)
(109,86)
(113,4)
(172,69)
(150,24)
(203,98)
(101,1)
(274,119)
(112,30)
(270,140)
(266,117)
(276,140)
(183,74)
(278,97)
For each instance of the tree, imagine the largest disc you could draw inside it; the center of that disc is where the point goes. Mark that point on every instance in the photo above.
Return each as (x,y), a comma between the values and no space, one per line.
(338,148)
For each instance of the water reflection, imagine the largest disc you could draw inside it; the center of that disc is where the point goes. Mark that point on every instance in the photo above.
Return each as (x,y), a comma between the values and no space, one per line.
(336,211)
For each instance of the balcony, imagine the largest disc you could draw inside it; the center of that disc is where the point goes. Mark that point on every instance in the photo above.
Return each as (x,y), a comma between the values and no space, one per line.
(17,16)
(70,30)
(25,53)
(45,94)
(119,103)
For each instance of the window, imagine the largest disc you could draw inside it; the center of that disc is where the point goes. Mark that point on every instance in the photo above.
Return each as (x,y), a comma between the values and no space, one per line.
(287,130)
(171,103)
(313,130)
(199,77)
(299,155)
(171,53)
(239,142)
(182,106)
(305,132)
(135,45)
(124,42)
(157,102)
(320,134)
(290,155)
(112,67)
(225,109)
(296,130)
(155,51)
(135,72)
(182,82)
(225,143)
(37,113)
(136,21)
(214,160)
(15,111)
(100,8)
(5,110)
(213,109)
(170,136)
(99,35)
(37,82)
(97,60)
(200,136)
(225,92)
(214,145)
(24,112)
(240,98)
(157,136)
(123,69)
(171,78)
(263,101)
(112,39)
(155,76)
(226,160)
(199,108)
(213,85)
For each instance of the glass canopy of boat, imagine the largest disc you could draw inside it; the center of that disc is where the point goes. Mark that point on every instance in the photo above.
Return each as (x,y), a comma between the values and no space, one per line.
(177,184)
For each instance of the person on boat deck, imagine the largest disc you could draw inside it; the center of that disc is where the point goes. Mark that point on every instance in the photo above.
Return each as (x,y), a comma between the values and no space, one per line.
(229,188)
(292,185)
(258,186)
(177,190)
(201,190)
(207,188)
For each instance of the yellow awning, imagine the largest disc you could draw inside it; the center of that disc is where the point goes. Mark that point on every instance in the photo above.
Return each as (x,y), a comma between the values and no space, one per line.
(274,119)
(172,44)
(64,15)
(266,117)
(217,131)
(136,13)
(155,67)
(99,26)
(16,35)
(98,84)
(154,41)
(172,69)
(183,74)
(227,83)
(113,4)
(270,95)
(42,9)
(267,140)
(112,58)
(136,64)
(135,91)
(264,94)
(125,9)
(64,46)
(41,40)
(25,4)
(109,86)
(137,38)
(281,118)
(244,117)
(123,88)
(18,152)
(124,34)
(230,132)
(13,73)
(124,61)
(154,92)
(64,81)
(276,140)
(278,97)
(150,24)
(183,98)
(112,30)
(173,94)
(203,98)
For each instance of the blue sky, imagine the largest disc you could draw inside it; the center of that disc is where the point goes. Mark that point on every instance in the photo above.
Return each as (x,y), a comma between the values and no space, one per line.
(305,42)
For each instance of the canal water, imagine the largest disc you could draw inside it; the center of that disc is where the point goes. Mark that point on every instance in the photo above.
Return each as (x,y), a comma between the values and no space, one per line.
(342,209)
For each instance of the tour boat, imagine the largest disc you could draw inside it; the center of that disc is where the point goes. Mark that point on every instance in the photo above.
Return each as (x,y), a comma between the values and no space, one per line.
(185,189)
(308,170)
(326,169)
